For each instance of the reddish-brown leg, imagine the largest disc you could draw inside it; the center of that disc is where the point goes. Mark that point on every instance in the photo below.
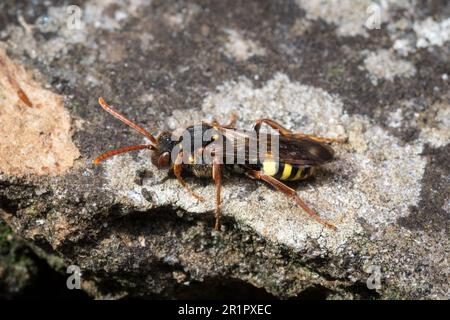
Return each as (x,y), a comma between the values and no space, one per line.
(230,125)
(275,125)
(111,153)
(233,121)
(288,133)
(318,139)
(292,194)
(217,176)
(177,170)
(23,96)
(12,80)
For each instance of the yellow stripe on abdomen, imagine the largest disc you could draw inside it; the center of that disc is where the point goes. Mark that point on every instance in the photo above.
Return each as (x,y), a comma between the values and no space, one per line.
(303,173)
(287,170)
(270,167)
(298,175)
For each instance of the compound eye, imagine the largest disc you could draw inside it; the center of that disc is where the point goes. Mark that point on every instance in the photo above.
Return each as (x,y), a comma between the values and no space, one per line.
(164,160)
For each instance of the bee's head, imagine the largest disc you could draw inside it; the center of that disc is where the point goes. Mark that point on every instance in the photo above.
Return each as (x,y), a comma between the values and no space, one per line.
(162,153)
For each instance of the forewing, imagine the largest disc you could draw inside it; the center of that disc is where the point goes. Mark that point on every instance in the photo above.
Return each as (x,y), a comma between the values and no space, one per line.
(244,144)
(304,151)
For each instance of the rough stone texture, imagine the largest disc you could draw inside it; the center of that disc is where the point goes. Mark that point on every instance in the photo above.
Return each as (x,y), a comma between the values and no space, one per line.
(165,64)
(35,127)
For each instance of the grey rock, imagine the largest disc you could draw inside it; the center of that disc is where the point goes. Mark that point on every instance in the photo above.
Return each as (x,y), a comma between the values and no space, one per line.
(134,232)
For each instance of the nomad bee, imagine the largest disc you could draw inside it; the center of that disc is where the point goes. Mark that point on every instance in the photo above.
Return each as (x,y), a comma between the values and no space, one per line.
(205,150)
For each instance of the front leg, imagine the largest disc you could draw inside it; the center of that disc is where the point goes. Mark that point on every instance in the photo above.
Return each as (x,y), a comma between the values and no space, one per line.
(177,170)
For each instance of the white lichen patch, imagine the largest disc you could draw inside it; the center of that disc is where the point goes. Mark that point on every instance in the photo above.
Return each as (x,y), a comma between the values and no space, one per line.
(70,25)
(240,48)
(22,38)
(375,177)
(395,118)
(352,17)
(403,47)
(384,65)
(109,14)
(432,33)
(408,35)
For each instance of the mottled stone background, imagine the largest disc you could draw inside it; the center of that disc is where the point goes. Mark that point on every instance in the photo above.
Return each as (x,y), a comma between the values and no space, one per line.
(373,72)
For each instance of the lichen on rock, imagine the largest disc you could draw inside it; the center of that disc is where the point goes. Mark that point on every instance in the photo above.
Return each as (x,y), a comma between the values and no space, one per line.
(312,66)
(384,65)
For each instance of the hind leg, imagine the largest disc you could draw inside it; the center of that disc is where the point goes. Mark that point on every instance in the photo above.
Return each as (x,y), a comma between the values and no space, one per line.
(217,176)
(230,125)
(292,194)
(288,133)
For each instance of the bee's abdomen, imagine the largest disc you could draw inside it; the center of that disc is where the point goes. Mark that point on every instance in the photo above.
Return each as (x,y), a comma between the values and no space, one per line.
(286,171)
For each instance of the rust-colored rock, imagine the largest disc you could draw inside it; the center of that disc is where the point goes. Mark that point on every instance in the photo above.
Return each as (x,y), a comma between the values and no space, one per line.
(35,133)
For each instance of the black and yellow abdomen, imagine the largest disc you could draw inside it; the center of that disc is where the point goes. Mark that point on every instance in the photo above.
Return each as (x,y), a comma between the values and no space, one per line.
(285,171)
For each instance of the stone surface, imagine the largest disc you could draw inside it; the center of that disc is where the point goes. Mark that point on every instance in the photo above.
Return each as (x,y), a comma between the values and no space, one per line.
(35,129)
(134,232)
